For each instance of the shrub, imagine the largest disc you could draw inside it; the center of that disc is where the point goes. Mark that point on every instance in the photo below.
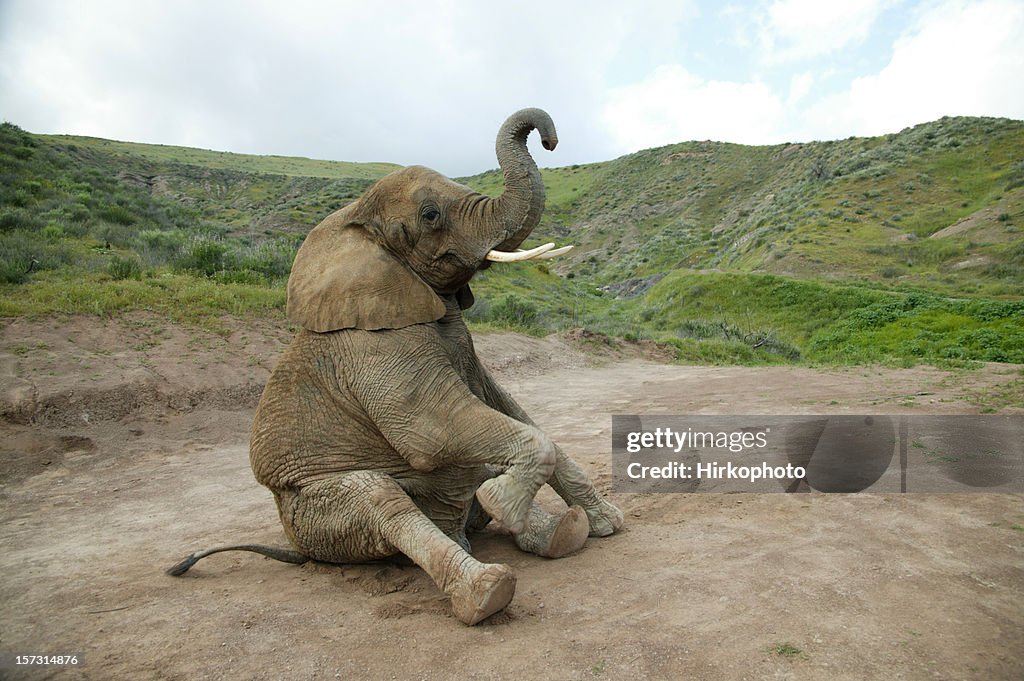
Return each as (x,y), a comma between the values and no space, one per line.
(12,272)
(516,312)
(890,272)
(204,257)
(272,259)
(114,233)
(116,214)
(23,252)
(18,248)
(16,218)
(480,312)
(158,247)
(124,268)
(52,232)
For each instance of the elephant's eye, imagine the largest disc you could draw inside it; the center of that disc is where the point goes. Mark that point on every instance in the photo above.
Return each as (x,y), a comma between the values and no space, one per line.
(431,214)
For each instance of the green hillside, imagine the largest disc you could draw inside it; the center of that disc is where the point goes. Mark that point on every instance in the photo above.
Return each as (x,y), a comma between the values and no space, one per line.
(897,249)
(937,206)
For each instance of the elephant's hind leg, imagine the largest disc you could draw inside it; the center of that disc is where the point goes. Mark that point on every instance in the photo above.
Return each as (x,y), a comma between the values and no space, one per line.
(366,515)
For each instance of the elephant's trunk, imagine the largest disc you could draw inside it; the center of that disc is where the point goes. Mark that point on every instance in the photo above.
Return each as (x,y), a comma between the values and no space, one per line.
(519,208)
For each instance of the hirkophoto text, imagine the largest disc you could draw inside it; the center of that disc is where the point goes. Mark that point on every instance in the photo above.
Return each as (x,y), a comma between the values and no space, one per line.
(715,471)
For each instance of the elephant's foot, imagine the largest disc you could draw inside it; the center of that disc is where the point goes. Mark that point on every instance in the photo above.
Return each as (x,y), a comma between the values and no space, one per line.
(507,501)
(605,518)
(485,591)
(554,536)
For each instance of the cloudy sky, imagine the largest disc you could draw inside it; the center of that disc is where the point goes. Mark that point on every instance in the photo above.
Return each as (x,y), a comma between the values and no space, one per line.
(429,82)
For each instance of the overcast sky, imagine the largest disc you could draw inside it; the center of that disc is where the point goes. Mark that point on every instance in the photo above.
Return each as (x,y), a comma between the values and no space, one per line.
(430,82)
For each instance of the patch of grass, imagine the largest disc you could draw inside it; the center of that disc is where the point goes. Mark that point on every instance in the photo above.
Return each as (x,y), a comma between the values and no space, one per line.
(997,398)
(22,349)
(182,298)
(787,650)
(720,352)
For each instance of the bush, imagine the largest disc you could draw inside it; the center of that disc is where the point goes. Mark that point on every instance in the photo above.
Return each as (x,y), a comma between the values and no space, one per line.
(204,257)
(890,272)
(516,312)
(272,259)
(16,218)
(12,272)
(116,214)
(114,234)
(24,252)
(158,247)
(124,268)
(52,232)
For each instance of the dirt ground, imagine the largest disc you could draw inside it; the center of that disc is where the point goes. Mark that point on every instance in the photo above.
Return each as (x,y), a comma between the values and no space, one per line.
(124,447)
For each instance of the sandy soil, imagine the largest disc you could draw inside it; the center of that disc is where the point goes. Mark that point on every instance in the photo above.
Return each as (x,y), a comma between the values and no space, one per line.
(124,447)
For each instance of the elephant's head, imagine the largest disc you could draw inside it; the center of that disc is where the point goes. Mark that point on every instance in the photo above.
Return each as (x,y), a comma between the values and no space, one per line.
(385,261)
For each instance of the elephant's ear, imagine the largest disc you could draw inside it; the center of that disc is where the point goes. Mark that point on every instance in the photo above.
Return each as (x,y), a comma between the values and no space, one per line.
(341,279)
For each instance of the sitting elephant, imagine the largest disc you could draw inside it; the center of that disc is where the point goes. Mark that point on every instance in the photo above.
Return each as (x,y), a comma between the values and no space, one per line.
(379,431)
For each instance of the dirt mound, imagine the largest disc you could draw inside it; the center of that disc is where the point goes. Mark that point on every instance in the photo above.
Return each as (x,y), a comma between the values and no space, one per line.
(76,371)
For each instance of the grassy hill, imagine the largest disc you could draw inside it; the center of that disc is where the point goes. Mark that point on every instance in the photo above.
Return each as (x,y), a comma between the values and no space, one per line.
(900,248)
(938,206)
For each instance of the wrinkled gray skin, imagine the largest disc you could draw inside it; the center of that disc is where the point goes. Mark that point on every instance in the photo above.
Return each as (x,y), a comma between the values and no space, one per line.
(379,432)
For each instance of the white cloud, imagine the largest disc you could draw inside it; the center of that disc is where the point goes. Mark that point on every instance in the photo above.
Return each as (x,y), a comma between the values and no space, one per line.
(430,81)
(800,85)
(956,59)
(801,29)
(672,105)
(409,82)
(961,59)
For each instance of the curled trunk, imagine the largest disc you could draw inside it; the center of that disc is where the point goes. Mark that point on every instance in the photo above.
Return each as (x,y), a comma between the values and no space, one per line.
(519,208)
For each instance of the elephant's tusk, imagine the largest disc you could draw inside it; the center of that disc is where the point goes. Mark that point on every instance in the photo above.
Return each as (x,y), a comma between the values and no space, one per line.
(554,253)
(503,256)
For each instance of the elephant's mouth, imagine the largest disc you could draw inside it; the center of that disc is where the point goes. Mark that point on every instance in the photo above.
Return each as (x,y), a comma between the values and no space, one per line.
(545,252)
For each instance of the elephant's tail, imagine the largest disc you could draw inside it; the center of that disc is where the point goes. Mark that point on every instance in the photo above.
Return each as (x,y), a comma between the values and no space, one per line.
(283,555)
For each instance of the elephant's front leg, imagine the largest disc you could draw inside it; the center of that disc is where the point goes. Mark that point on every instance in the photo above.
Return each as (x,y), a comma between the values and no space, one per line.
(365,515)
(428,414)
(572,484)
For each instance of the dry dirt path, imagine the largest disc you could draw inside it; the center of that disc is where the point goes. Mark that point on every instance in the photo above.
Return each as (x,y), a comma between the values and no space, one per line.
(704,586)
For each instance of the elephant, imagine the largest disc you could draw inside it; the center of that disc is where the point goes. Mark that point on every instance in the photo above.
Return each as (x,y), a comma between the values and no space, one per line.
(379,431)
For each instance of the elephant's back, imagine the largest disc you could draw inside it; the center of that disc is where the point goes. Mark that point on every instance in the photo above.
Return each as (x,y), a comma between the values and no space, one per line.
(308,426)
